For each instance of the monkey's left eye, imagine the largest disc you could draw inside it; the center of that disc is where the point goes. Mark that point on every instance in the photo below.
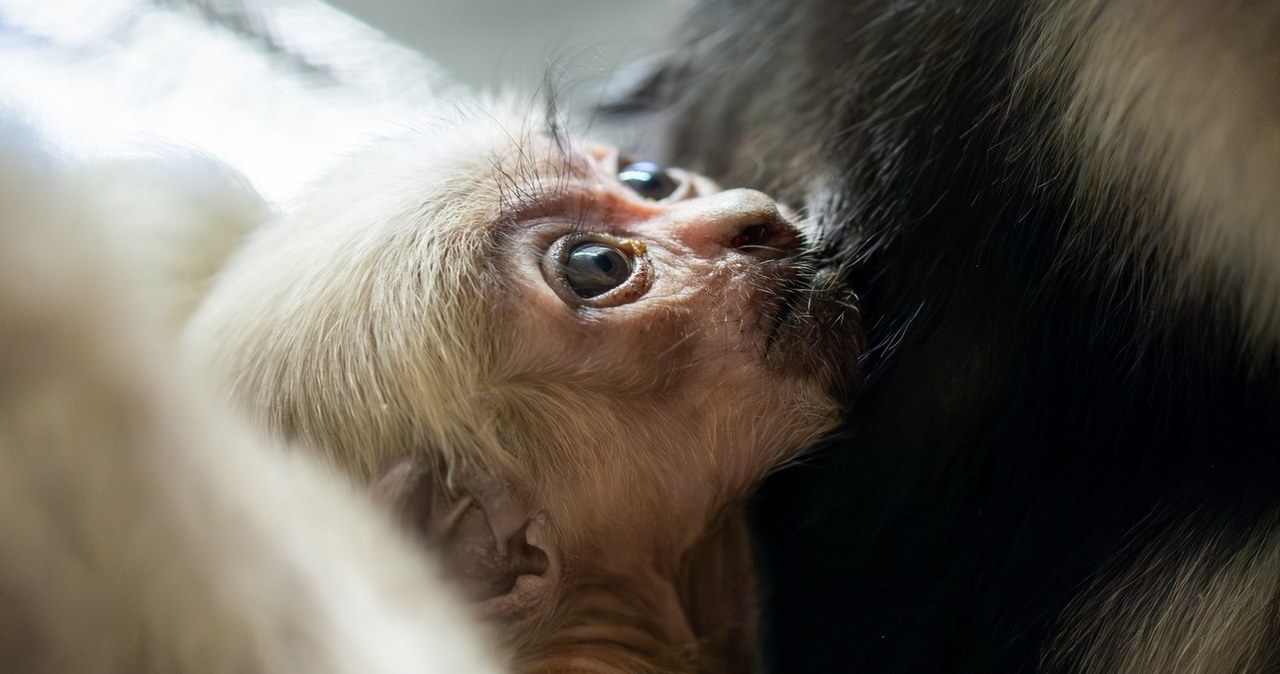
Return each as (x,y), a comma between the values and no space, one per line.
(593,269)
(649,180)
(597,271)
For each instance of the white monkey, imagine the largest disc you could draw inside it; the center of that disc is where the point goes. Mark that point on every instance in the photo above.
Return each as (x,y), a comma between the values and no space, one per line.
(564,368)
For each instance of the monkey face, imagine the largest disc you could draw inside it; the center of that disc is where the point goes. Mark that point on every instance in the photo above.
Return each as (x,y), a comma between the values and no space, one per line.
(655,359)
(549,309)
(651,312)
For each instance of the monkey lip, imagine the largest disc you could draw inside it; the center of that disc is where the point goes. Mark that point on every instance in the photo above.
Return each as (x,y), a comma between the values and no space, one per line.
(811,325)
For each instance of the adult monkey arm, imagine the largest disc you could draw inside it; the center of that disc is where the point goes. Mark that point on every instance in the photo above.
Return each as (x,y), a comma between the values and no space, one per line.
(1060,220)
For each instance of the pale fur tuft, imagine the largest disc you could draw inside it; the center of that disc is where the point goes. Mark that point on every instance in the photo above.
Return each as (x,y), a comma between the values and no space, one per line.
(351,325)
(1174,103)
(174,218)
(1208,611)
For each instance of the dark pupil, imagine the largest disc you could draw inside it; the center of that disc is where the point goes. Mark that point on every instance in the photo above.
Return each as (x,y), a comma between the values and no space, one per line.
(648,180)
(594,269)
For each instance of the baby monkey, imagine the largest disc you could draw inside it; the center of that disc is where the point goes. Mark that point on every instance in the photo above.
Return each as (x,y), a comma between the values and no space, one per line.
(564,368)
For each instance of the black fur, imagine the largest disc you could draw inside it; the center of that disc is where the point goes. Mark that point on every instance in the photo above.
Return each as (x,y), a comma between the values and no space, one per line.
(1037,414)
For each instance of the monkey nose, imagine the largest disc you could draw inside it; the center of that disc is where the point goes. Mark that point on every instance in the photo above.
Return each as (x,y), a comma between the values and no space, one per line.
(743,220)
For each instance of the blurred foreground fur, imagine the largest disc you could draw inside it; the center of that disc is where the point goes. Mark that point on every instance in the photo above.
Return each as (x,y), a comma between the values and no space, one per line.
(141,529)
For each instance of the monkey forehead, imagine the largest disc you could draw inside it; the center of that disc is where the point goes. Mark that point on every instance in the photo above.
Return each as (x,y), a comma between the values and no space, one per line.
(460,173)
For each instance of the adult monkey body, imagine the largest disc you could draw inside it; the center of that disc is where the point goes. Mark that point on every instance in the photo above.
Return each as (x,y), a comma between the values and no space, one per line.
(1063,222)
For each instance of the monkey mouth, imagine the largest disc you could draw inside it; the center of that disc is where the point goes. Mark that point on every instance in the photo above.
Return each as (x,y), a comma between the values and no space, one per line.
(811,325)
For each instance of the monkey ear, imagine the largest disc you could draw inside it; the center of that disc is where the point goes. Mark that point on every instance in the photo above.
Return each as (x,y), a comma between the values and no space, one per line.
(499,550)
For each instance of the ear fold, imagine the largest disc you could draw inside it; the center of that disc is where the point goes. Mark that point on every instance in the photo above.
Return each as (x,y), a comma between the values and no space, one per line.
(497,548)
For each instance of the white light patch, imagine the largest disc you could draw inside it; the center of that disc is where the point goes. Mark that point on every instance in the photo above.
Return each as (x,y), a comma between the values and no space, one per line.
(119,78)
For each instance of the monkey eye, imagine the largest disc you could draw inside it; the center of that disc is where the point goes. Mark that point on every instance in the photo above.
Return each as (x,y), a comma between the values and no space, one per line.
(591,269)
(597,271)
(649,180)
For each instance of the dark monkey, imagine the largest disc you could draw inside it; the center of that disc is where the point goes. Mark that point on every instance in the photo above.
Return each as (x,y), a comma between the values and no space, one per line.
(1063,222)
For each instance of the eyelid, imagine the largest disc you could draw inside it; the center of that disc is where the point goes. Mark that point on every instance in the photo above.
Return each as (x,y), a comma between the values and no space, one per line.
(528,207)
(683,188)
(684,179)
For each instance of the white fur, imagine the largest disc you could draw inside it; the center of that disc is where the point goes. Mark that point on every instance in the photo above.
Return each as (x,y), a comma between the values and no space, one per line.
(1176,103)
(141,529)
(387,245)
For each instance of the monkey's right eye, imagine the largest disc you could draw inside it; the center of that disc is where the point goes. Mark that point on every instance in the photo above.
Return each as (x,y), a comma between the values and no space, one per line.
(592,269)
(649,180)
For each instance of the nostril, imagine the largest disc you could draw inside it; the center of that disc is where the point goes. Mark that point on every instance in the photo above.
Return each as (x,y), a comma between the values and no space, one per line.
(766,240)
(751,236)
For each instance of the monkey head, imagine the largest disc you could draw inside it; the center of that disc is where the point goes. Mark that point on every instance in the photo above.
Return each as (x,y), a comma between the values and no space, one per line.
(564,367)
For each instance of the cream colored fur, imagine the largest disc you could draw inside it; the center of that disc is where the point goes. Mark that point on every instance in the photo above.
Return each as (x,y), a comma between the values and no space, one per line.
(143,530)
(172,219)
(360,330)
(1176,103)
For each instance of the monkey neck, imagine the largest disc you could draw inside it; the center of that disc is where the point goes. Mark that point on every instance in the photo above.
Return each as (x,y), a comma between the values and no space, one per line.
(620,620)
(637,608)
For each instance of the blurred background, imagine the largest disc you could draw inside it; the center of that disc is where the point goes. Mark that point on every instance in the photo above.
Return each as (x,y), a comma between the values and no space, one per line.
(488,42)
(280,90)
